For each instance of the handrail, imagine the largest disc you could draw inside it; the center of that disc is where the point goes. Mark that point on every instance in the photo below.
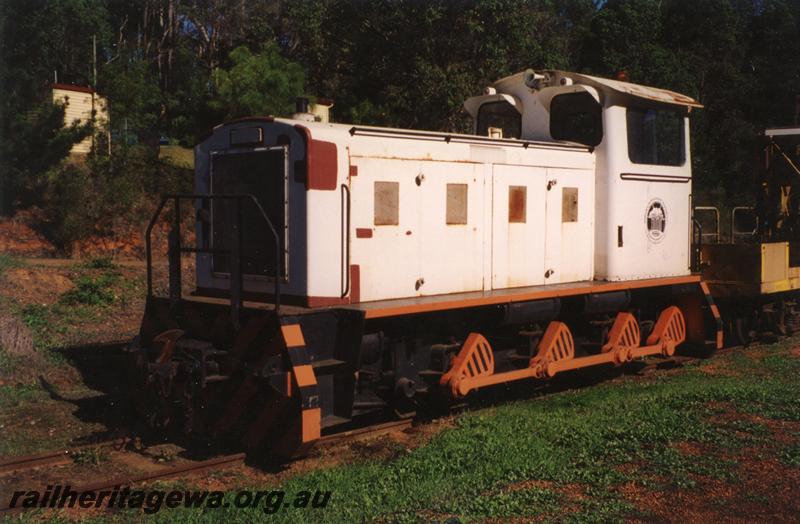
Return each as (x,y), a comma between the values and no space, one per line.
(740,234)
(345,274)
(697,247)
(175,250)
(716,233)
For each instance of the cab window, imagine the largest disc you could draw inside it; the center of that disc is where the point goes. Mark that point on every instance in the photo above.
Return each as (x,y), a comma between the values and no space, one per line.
(576,117)
(500,115)
(656,136)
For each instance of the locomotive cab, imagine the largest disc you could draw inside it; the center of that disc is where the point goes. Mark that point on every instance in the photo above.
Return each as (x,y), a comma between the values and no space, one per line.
(640,136)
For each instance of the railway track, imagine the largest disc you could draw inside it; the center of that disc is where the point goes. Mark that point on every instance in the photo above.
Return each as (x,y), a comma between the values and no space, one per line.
(57,457)
(161,474)
(65,456)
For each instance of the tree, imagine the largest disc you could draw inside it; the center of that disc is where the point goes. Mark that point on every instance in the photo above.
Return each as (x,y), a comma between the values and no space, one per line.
(40,38)
(36,142)
(264,83)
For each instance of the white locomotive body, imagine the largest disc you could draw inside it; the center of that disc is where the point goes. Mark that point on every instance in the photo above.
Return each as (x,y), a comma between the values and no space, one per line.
(579,179)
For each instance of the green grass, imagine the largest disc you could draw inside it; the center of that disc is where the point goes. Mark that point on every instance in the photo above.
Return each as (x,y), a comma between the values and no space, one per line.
(579,446)
(477,469)
(8,262)
(92,291)
(100,263)
(52,325)
(14,395)
(791,454)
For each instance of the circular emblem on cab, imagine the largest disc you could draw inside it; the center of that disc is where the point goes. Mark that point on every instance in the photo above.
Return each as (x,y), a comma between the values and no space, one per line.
(656,220)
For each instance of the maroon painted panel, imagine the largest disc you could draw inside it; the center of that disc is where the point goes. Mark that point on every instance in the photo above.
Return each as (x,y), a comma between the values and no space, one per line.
(321,162)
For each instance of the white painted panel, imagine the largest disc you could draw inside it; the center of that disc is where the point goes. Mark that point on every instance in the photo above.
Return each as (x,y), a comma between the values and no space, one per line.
(518,248)
(452,254)
(625,203)
(390,260)
(569,251)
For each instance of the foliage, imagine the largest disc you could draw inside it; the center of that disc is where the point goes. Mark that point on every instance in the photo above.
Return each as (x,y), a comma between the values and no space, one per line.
(33,143)
(264,83)
(91,291)
(108,192)
(37,39)
(175,68)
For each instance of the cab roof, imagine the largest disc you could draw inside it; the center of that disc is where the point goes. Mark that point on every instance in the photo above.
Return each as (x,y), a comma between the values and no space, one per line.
(606,84)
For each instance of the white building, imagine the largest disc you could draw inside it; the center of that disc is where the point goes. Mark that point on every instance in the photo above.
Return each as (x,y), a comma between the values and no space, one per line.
(81,102)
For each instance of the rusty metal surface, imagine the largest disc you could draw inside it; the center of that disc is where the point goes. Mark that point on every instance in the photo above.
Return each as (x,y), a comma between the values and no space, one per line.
(650,93)
(517,204)
(740,263)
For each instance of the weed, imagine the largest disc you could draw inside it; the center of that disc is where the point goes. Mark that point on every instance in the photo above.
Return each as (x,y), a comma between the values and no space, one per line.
(52,325)
(92,291)
(100,263)
(14,395)
(92,456)
(791,455)
(9,362)
(8,262)
(164,455)
(35,316)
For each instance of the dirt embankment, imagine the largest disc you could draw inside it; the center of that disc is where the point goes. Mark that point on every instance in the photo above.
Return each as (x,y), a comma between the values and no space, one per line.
(19,237)
(23,235)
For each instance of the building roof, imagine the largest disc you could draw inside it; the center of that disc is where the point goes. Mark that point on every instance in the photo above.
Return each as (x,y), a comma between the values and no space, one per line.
(69,87)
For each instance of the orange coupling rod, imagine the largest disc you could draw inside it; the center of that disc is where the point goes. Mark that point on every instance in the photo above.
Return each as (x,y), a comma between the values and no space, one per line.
(473,366)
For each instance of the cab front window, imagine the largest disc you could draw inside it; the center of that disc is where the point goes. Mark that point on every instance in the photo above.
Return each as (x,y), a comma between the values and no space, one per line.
(576,117)
(499,115)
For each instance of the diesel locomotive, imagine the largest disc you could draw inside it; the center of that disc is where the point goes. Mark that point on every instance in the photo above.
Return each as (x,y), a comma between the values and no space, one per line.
(343,271)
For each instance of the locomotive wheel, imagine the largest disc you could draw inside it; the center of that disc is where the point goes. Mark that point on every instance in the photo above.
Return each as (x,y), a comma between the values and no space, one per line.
(743,331)
(791,320)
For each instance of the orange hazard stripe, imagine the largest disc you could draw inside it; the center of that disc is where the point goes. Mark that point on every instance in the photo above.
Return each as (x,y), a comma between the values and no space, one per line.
(305,376)
(293,335)
(312,421)
(715,310)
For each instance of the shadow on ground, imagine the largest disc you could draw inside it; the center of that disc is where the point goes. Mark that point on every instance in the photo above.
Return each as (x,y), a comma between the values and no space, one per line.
(103,369)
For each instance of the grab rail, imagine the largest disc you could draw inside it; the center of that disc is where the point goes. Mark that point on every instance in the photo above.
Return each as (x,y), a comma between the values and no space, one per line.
(716,234)
(345,276)
(175,248)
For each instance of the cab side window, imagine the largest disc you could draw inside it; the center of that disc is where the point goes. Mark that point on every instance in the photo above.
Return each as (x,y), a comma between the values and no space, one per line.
(656,136)
(576,117)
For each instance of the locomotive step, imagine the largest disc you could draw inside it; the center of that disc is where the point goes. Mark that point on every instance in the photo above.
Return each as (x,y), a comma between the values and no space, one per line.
(321,366)
(193,344)
(333,420)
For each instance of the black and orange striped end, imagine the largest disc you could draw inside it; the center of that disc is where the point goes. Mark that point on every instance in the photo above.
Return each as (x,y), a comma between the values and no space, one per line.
(715,312)
(304,380)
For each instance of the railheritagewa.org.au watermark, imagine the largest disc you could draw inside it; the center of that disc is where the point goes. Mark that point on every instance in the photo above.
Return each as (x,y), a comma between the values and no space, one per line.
(153,501)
